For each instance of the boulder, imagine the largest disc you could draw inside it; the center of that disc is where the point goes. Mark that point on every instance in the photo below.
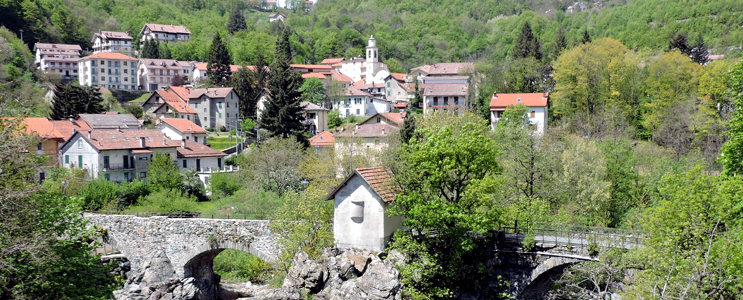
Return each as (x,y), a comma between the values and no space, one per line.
(306,274)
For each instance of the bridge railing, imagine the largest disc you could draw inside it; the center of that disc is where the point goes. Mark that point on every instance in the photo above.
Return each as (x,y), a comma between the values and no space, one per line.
(575,235)
(186,214)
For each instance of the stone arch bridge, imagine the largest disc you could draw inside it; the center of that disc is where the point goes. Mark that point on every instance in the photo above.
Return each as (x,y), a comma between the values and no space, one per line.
(189,243)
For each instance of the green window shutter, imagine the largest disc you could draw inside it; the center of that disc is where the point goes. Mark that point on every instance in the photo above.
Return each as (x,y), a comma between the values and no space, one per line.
(80,161)
(67,159)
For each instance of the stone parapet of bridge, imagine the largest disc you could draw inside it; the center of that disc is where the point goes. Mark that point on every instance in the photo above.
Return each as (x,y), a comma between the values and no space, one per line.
(189,243)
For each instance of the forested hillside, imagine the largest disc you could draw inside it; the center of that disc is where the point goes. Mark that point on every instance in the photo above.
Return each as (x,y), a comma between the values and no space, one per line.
(409,32)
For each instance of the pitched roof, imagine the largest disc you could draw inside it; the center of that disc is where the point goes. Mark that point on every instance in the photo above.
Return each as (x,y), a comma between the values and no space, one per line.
(175,29)
(210,92)
(397,118)
(57,47)
(313,75)
(338,76)
(447,68)
(68,127)
(331,61)
(379,179)
(444,89)
(163,63)
(109,55)
(194,149)
(399,76)
(182,92)
(351,91)
(501,101)
(323,139)
(183,125)
(273,15)
(179,107)
(104,121)
(112,139)
(309,106)
(174,100)
(201,66)
(368,130)
(313,67)
(43,127)
(114,35)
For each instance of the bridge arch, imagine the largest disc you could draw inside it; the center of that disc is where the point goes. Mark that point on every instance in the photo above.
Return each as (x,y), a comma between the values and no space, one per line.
(544,275)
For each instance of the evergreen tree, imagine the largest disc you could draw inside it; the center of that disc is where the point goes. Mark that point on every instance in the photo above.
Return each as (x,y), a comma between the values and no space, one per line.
(283,116)
(418,99)
(261,69)
(247,88)
(237,21)
(70,100)
(560,42)
(218,62)
(527,44)
(165,52)
(586,37)
(731,158)
(699,54)
(151,49)
(681,43)
(407,131)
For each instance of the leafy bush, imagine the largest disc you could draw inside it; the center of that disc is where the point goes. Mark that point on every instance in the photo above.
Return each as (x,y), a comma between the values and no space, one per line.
(223,184)
(131,192)
(334,119)
(234,264)
(99,193)
(164,201)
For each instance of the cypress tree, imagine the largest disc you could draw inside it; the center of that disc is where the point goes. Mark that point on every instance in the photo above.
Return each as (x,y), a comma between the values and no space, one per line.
(70,100)
(700,54)
(527,44)
(247,88)
(151,49)
(681,43)
(283,115)
(407,131)
(586,38)
(237,21)
(218,62)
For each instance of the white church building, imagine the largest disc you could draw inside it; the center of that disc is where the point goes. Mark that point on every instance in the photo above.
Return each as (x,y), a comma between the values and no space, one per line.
(371,69)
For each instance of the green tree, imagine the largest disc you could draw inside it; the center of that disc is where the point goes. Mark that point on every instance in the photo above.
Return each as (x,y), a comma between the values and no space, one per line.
(236,21)
(680,42)
(334,119)
(163,173)
(407,132)
(561,43)
(527,44)
(218,62)
(313,91)
(70,100)
(586,37)
(283,114)
(448,182)
(700,54)
(151,49)
(731,158)
(248,89)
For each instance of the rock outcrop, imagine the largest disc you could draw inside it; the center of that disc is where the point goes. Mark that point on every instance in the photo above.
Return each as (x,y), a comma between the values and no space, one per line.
(157,280)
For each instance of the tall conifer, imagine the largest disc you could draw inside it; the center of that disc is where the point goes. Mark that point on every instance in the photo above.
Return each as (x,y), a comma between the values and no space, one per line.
(237,21)
(527,44)
(218,62)
(282,115)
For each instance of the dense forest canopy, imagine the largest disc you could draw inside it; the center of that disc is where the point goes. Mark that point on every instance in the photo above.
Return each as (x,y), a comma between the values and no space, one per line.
(412,32)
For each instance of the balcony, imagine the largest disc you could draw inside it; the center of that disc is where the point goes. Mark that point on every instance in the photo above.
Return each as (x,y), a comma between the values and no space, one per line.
(117,167)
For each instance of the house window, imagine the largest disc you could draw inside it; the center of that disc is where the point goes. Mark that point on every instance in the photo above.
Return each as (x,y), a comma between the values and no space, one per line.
(219,104)
(126,176)
(79,144)
(219,115)
(38,146)
(228,115)
(196,139)
(142,175)
(358,112)
(105,162)
(185,164)
(532,114)
(196,105)
(435,100)
(204,109)
(204,119)
(379,120)
(107,176)
(228,104)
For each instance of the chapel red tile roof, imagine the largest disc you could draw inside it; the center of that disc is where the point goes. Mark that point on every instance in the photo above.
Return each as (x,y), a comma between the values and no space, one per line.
(325,68)
(399,76)
(396,118)
(356,92)
(194,149)
(501,101)
(382,181)
(323,139)
(183,125)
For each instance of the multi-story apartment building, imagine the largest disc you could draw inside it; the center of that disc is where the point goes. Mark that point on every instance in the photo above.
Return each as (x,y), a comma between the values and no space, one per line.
(216,107)
(112,41)
(361,103)
(155,74)
(164,33)
(58,59)
(114,71)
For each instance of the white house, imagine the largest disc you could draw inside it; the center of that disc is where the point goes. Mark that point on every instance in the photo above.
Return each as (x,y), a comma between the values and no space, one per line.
(182,129)
(117,155)
(370,69)
(440,69)
(112,41)
(315,117)
(277,17)
(164,33)
(367,136)
(202,159)
(361,217)
(361,103)
(537,105)
(394,119)
(154,74)
(58,59)
(114,71)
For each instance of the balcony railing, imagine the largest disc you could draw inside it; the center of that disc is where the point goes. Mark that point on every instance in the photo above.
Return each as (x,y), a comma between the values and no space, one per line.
(114,167)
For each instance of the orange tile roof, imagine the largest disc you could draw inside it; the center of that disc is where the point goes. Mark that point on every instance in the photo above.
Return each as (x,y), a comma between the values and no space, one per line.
(367,130)
(356,92)
(183,125)
(210,92)
(67,128)
(323,139)
(313,75)
(501,101)
(194,149)
(447,68)
(181,92)
(444,89)
(338,76)
(331,61)
(379,179)
(172,99)
(399,76)
(43,127)
(395,118)
(112,139)
(166,28)
(109,55)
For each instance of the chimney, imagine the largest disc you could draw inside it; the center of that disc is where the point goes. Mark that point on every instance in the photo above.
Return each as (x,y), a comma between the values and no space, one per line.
(74,131)
(142,143)
(89,135)
(183,144)
(165,141)
(190,127)
(383,133)
(358,127)
(72,120)
(118,127)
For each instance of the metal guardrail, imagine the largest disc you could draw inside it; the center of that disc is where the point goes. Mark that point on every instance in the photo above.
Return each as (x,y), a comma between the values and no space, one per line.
(575,235)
